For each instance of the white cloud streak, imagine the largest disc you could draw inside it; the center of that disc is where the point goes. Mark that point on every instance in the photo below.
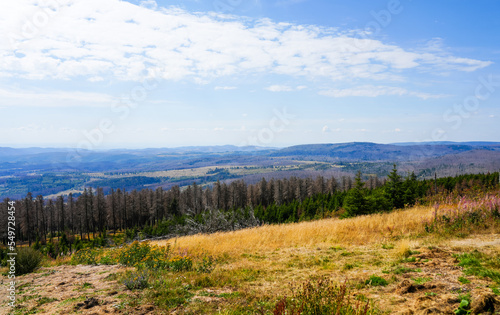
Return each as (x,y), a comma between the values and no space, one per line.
(17,97)
(374,91)
(279,88)
(116,40)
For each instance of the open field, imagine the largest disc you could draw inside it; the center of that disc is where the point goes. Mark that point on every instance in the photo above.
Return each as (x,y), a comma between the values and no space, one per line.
(386,260)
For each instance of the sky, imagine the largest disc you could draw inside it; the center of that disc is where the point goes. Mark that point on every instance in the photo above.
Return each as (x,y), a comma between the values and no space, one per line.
(101,74)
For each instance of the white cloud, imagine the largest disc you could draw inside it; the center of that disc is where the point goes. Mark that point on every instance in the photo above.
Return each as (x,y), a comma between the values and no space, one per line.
(117,40)
(325,129)
(150,4)
(17,97)
(279,88)
(225,88)
(374,91)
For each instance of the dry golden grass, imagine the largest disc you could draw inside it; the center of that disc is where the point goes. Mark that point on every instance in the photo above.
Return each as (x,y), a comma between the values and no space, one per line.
(363,230)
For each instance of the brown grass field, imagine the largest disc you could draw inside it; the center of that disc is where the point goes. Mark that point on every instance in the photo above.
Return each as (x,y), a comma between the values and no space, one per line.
(364,230)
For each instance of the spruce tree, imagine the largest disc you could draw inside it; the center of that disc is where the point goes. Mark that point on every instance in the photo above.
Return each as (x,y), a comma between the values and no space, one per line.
(355,202)
(394,189)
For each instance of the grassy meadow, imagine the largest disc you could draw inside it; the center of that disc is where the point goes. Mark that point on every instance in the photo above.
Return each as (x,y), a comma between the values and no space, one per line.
(409,260)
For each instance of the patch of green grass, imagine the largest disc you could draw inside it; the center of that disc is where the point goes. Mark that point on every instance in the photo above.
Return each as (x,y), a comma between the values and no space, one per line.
(45,300)
(48,273)
(71,300)
(481,265)
(388,246)
(111,277)
(422,280)
(463,280)
(229,295)
(336,248)
(27,298)
(409,259)
(349,266)
(204,281)
(401,270)
(170,292)
(87,285)
(430,294)
(376,281)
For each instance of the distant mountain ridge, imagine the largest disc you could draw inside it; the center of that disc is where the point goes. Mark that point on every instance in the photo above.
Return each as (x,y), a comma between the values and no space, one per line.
(368,151)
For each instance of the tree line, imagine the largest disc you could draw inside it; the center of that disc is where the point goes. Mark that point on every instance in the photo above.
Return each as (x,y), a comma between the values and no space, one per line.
(93,212)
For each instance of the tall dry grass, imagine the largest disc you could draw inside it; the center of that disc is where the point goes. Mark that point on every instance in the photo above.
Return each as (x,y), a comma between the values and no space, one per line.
(354,231)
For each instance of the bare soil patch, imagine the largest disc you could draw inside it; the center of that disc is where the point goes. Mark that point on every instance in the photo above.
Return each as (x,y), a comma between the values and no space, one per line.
(72,290)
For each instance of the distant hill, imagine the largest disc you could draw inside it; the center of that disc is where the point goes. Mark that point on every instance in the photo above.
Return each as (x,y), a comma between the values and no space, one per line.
(470,143)
(367,151)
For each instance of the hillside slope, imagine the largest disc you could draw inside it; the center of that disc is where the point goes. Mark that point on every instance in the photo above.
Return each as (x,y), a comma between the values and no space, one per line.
(404,262)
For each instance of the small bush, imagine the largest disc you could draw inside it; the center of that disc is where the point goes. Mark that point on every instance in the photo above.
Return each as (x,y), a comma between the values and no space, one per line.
(107,260)
(136,280)
(376,281)
(180,263)
(133,254)
(86,256)
(130,234)
(27,260)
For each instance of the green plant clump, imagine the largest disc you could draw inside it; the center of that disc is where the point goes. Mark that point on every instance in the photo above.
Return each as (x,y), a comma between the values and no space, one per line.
(463,308)
(85,256)
(27,260)
(376,281)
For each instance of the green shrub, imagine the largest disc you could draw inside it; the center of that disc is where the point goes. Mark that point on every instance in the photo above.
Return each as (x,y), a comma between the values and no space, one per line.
(180,263)
(134,253)
(107,260)
(27,260)
(86,256)
(130,234)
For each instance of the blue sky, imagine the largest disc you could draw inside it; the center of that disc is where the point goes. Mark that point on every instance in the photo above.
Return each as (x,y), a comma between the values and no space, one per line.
(134,74)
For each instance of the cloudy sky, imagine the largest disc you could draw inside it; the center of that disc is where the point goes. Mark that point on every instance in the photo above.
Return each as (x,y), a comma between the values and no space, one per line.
(104,74)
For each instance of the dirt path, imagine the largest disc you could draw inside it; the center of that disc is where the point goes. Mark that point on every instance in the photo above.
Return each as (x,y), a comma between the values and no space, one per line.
(434,287)
(72,289)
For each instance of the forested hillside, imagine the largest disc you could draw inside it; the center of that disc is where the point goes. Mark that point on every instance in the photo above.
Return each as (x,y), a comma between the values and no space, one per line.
(54,172)
(225,206)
